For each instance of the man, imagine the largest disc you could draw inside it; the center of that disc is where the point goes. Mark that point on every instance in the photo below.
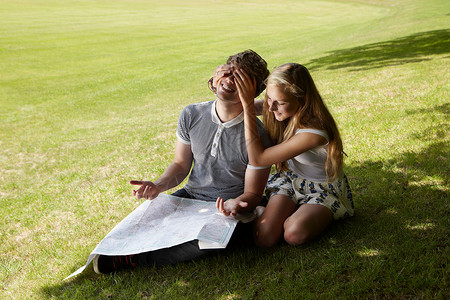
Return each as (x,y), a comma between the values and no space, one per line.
(210,140)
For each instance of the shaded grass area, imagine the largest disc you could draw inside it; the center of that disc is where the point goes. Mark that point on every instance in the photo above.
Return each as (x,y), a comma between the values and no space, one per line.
(374,255)
(410,49)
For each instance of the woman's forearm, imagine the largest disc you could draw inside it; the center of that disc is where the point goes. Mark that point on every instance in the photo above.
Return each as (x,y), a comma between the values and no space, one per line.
(252,139)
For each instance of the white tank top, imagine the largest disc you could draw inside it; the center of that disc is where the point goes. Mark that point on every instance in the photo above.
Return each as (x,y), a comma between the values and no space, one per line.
(311,164)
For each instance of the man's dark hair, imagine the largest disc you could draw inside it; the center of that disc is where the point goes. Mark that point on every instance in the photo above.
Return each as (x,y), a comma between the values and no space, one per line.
(254,65)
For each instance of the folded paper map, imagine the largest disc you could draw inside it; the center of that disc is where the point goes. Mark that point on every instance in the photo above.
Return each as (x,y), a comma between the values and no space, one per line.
(168,221)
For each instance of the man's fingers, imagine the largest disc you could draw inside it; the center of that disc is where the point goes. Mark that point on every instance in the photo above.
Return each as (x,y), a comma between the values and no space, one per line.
(136,182)
(221,205)
(218,203)
(243,204)
(145,193)
(140,191)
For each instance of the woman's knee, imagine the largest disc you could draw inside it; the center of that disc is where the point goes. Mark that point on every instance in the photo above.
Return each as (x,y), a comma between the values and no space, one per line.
(268,230)
(297,236)
(265,237)
(306,224)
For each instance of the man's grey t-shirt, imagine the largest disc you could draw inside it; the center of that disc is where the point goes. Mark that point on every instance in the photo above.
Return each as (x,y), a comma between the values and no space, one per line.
(220,154)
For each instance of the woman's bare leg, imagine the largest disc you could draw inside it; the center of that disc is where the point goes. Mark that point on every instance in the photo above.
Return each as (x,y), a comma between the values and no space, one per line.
(268,228)
(308,222)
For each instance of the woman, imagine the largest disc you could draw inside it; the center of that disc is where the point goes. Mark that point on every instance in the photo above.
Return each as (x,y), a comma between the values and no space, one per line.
(310,188)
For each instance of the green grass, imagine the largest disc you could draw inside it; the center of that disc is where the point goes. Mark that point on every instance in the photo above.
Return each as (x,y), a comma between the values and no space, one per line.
(90,92)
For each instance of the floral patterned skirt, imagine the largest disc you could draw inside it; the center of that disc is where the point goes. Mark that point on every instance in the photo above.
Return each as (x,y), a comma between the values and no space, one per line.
(335,195)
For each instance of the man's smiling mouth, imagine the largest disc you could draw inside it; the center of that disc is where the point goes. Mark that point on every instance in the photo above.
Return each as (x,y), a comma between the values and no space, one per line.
(228,89)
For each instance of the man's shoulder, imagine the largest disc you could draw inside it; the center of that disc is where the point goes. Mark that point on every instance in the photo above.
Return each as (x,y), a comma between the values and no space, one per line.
(199,106)
(194,113)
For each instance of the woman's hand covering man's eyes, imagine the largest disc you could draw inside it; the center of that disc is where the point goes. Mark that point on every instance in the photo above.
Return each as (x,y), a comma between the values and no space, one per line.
(221,71)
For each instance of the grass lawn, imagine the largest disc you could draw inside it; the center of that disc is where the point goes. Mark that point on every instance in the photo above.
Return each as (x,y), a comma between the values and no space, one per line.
(90,93)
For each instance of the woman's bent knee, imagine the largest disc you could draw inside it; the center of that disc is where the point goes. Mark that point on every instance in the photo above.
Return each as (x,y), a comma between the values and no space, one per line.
(308,222)
(266,238)
(297,237)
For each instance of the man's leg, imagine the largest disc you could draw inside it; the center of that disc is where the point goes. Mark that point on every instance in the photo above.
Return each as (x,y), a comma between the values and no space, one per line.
(176,254)
(168,256)
(182,193)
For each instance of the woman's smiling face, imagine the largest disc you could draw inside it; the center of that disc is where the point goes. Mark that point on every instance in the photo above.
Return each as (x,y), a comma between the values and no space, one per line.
(279,103)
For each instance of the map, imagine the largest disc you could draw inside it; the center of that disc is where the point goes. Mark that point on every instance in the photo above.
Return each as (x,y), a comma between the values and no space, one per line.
(168,221)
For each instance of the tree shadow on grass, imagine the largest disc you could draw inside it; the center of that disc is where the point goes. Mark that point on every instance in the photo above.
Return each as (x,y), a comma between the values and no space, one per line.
(413,48)
(396,246)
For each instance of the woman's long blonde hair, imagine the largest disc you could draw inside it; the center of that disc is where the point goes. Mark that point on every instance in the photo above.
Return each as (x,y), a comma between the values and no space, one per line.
(312,113)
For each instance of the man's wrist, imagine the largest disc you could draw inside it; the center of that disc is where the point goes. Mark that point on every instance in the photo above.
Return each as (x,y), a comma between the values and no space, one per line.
(160,186)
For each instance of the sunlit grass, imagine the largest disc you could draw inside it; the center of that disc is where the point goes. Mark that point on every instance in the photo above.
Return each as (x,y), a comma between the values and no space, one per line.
(90,94)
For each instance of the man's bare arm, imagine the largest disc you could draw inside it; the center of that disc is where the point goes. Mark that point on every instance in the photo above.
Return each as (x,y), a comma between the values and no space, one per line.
(174,174)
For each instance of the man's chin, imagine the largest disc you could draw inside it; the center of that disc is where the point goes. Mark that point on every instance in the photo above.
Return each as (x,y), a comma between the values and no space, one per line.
(228,97)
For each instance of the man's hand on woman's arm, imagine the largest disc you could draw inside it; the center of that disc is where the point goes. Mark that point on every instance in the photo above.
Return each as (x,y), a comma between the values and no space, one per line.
(230,207)
(255,182)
